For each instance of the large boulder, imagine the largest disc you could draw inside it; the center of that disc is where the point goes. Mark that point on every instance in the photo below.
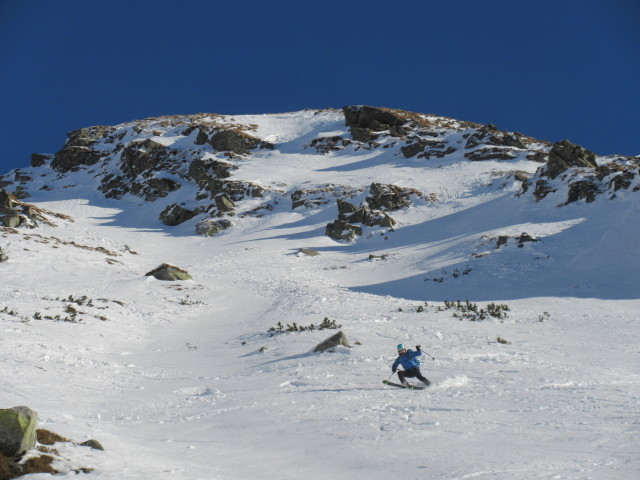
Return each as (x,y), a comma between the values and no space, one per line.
(141,155)
(38,159)
(11,220)
(364,119)
(175,215)
(235,141)
(6,201)
(72,156)
(169,272)
(490,135)
(565,154)
(333,341)
(210,226)
(224,203)
(586,190)
(202,170)
(342,230)
(17,431)
(388,197)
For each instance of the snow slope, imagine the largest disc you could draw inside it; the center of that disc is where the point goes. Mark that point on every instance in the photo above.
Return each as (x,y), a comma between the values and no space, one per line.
(183,380)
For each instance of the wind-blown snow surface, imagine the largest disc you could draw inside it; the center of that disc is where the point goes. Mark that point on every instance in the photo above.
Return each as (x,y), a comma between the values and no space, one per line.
(182,380)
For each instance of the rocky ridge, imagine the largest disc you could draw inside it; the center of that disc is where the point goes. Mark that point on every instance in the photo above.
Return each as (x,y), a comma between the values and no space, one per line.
(193,159)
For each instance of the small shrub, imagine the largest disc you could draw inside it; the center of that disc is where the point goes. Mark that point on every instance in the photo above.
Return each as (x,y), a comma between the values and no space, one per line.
(188,301)
(326,324)
(470,311)
(10,469)
(45,437)
(3,255)
(455,274)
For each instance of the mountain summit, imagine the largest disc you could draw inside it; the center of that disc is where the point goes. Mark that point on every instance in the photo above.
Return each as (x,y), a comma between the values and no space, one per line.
(357,175)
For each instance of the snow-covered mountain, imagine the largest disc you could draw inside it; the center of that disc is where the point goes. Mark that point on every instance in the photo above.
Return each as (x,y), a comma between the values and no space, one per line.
(377,220)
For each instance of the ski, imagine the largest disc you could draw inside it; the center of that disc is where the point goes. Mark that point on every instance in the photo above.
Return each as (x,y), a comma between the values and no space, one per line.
(410,387)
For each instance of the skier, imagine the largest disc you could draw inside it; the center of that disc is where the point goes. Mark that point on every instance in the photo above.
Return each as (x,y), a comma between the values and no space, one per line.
(411,365)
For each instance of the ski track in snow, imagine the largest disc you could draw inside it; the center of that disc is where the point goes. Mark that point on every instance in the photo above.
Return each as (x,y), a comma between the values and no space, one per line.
(182,380)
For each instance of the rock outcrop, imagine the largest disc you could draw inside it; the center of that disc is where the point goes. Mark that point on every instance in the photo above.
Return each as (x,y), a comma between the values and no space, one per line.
(17,431)
(366,123)
(339,339)
(564,155)
(169,272)
(175,214)
(574,169)
(370,213)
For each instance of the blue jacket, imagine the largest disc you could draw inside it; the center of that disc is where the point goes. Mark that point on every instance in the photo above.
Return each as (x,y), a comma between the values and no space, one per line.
(408,360)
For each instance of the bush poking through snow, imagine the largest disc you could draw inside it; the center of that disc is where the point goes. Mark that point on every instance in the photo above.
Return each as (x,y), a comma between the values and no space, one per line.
(3,255)
(470,311)
(189,301)
(326,324)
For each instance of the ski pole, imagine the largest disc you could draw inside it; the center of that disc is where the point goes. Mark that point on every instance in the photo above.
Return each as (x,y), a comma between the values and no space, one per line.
(429,356)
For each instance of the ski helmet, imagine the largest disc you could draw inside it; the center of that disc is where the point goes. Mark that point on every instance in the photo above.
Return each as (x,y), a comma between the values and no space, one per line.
(400,347)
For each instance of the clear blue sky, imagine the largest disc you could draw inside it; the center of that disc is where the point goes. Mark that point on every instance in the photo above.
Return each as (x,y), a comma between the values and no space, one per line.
(552,69)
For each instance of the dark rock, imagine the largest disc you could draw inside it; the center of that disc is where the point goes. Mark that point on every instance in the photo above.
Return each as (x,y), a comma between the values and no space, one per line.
(412,149)
(326,145)
(93,444)
(202,138)
(235,190)
(622,181)
(17,431)
(582,190)
(542,189)
(538,156)
(364,121)
(309,252)
(235,141)
(209,226)
(525,238)
(345,208)
(491,153)
(38,159)
(20,193)
(565,154)
(376,119)
(169,272)
(7,201)
(423,148)
(388,197)
(203,170)
(11,220)
(114,186)
(175,215)
(161,186)
(72,156)
(334,341)
(141,155)
(490,135)
(224,203)
(375,218)
(342,230)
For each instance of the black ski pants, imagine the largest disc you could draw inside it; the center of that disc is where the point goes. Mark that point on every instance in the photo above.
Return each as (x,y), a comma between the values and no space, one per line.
(412,372)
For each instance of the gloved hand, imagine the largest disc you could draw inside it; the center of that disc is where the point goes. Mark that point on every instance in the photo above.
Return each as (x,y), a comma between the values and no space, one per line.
(393,370)
(418,347)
